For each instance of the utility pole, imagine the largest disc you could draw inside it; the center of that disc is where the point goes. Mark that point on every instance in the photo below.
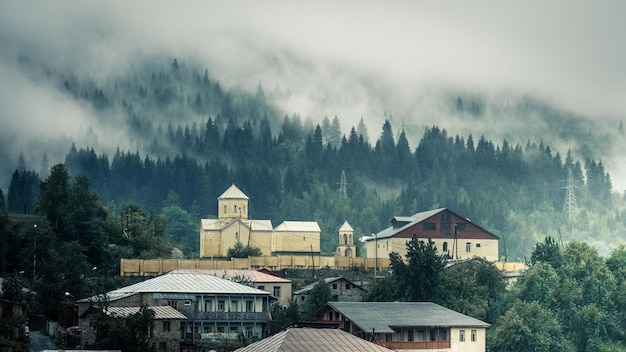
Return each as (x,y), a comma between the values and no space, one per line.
(376,253)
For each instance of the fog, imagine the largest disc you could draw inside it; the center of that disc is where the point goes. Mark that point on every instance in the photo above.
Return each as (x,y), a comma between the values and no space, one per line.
(352,59)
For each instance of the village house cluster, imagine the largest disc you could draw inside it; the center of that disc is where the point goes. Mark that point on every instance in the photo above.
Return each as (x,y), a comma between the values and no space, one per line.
(200,301)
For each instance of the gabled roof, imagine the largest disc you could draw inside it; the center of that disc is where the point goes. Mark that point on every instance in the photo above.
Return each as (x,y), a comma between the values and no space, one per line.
(345,227)
(313,340)
(405,222)
(182,284)
(220,224)
(387,317)
(329,280)
(252,275)
(233,193)
(298,226)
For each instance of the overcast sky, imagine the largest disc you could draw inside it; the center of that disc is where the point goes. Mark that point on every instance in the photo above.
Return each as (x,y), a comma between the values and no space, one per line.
(570,50)
(572,53)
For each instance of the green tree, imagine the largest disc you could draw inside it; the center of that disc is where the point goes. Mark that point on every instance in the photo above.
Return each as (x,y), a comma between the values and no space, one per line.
(528,326)
(540,283)
(181,228)
(130,333)
(547,252)
(284,316)
(318,296)
(54,198)
(142,233)
(419,279)
(616,262)
(241,251)
(474,287)
(381,289)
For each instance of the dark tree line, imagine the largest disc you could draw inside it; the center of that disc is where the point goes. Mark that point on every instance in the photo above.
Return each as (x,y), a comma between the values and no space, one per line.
(196,138)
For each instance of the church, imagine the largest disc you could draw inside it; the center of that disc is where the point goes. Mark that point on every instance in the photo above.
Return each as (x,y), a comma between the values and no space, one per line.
(233,225)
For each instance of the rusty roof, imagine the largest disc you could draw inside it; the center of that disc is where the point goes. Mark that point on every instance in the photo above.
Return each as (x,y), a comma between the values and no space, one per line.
(314,340)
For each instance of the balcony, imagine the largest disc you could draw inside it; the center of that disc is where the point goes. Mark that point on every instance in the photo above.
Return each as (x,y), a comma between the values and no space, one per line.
(231,316)
(414,345)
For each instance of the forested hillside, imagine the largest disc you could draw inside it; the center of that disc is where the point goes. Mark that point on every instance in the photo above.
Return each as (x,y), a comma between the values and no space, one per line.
(181,139)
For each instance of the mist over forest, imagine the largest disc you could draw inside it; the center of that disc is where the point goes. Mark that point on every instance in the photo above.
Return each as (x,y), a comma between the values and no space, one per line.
(431,101)
(169,133)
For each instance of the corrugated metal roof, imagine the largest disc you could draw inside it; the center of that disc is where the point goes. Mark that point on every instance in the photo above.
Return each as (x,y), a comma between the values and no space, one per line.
(384,316)
(174,282)
(345,227)
(252,275)
(313,340)
(160,312)
(233,193)
(298,226)
(308,288)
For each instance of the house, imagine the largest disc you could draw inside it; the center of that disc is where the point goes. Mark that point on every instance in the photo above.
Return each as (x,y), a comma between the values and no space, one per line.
(166,325)
(215,308)
(13,320)
(233,226)
(455,236)
(278,287)
(341,290)
(411,326)
(313,340)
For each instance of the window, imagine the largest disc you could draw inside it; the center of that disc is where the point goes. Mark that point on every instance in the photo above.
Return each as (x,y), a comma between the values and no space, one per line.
(249,306)
(224,209)
(429,226)
(187,302)
(166,326)
(443,335)
(234,306)
(462,335)
(409,335)
(235,208)
(473,336)
(461,226)
(468,247)
(477,245)
(208,306)
(444,226)
(302,298)
(433,335)
(207,328)
(261,287)
(220,305)
(276,291)
(220,329)
(172,303)
(421,335)
(348,286)
(237,236)
(445,246)
(334,286)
